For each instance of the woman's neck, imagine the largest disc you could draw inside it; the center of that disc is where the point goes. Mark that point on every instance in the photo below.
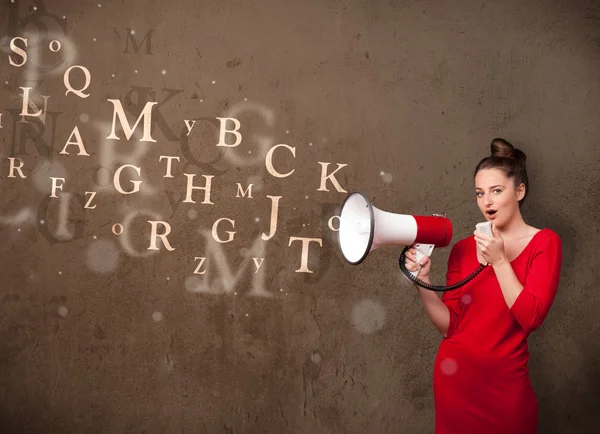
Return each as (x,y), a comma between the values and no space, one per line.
(515,229)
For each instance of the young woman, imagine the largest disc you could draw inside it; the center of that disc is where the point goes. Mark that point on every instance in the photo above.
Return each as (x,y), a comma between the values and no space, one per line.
(481,379)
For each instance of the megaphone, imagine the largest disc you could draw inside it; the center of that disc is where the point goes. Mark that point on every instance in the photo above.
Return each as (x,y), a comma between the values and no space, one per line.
(364,228)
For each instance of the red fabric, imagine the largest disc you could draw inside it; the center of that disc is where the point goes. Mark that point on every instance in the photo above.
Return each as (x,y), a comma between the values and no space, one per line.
(481,379)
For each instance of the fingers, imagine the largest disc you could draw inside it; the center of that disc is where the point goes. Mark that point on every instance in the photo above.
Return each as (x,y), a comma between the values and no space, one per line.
(482,245)
(483,248)
(411,265)
(412,255)
(482,236)
(411,260)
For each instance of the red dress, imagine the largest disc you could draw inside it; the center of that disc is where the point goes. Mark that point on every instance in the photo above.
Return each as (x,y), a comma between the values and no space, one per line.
(481,380)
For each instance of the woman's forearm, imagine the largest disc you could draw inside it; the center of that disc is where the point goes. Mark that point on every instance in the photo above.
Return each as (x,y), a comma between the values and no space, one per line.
(509,283)
(437,311)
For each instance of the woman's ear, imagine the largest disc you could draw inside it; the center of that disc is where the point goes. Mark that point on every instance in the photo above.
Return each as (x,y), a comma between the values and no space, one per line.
(521,190)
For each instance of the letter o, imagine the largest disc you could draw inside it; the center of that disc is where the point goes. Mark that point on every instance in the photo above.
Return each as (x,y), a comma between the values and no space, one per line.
(330,223)
(55,43)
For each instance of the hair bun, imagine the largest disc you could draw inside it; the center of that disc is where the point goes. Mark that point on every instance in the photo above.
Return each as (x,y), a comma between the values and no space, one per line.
(503,149)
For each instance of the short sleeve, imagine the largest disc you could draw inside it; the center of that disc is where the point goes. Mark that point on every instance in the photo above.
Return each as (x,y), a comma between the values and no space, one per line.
(452,298)
(541,283)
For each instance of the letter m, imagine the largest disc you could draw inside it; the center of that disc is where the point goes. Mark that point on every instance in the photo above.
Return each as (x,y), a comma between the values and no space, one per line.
(136,46)
(119,113)
(240,191)
(225,280)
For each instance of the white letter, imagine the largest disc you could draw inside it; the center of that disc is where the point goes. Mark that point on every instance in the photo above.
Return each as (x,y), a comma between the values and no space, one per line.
(190,188)
(127,129)
(28,103)
(18,51)
(168,175)
(223,130)
(89,202)
(325,177)
(257,264)
(117,182)
(330,223)
(305,244)
(262,142)
(163,237)
(269,161)
(242,192)
(77,142)
(55,46)
(12,167)
(189,126)
(231,234)
(67,81)
(274,213)
(55,186)
(197,270)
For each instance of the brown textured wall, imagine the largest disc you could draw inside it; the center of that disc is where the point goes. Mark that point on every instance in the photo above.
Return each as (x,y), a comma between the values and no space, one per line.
(100,334)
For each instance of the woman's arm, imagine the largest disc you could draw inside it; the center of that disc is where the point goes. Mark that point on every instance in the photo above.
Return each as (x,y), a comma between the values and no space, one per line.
(528,302)
(509,283)
(437,311)
(533,300)
(443,313)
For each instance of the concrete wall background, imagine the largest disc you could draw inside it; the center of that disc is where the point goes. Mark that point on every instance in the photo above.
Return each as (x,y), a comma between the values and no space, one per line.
(102,335)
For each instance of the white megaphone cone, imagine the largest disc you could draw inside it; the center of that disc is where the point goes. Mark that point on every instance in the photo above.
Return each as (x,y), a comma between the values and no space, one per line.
(364,228)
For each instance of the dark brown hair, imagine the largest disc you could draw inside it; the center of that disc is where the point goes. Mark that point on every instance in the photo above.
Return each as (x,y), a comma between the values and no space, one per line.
(508,159)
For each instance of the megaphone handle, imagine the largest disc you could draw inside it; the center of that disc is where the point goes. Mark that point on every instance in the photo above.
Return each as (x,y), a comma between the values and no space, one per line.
(421,250)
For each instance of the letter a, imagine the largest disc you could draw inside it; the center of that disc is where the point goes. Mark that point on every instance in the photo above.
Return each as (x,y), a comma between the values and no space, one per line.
(77,142)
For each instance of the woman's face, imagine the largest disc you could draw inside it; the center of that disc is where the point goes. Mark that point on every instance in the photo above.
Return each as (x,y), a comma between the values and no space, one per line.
(497,197)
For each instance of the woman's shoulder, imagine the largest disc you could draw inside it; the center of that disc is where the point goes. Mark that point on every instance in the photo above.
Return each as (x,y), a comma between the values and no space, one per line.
(546,236)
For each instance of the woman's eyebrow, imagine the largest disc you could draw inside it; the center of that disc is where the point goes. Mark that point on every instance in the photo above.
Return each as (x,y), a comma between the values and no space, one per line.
(493,186)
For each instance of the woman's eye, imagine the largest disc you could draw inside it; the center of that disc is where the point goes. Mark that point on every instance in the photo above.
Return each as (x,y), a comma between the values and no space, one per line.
(497,190)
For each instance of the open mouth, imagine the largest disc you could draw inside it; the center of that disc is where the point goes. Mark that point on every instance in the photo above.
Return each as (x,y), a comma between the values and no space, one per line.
(491,212)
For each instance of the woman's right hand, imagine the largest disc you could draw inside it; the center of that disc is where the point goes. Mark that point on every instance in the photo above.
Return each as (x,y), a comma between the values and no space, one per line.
(411,263)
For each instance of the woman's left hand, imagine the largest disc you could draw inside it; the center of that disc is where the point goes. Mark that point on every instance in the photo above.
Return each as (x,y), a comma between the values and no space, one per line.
(491,248)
